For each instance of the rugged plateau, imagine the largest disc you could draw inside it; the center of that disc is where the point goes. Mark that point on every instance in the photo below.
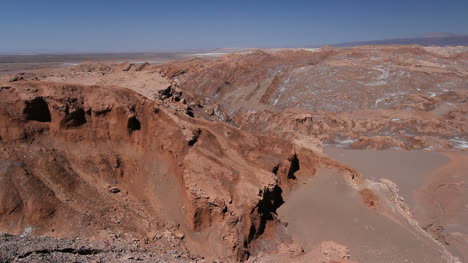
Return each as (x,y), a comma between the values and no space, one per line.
(225,159)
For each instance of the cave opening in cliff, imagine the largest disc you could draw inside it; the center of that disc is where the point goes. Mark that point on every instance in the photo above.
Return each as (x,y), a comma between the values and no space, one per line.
(74,119)
(295,166)
(133,124)
(37,110)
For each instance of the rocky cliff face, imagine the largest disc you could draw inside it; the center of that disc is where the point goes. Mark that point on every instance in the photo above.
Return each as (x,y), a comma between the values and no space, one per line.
(329,79)
(406,97)
(198,156)
(93,162)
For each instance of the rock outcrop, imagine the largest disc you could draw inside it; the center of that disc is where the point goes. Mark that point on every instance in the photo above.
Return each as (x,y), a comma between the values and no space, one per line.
(66,148)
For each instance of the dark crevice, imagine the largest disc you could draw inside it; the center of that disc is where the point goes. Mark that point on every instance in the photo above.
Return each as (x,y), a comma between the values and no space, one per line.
(4,88)
(275,169)
(165,93)
(266,209)
(102,111)
(74,119)
(24,76)
(118,162)
(143,66)
(195,137)
(130,66)
(133,124)
(295,166)
(189,112)
(169,93)
(178,73)
(37,110)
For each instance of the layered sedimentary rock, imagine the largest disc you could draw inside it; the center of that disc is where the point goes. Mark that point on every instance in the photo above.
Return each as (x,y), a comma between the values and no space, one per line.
(91,161)
(198,156)
(405,97)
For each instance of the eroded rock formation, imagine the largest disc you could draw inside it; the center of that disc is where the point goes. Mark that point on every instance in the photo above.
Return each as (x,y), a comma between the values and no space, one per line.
(198,156)
(65,146)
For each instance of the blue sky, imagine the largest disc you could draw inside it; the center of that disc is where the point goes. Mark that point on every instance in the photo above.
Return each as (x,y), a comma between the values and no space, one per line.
(116,26)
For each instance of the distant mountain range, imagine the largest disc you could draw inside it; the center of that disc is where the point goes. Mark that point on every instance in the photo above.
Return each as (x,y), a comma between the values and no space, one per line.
(428,39)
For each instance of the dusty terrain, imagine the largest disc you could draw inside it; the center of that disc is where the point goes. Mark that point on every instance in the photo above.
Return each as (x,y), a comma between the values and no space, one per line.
(406,97)
(223,158)
(16,63)
(47,249)
(432,184)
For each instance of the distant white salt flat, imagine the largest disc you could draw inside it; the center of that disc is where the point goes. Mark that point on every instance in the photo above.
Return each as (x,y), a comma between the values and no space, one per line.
(210,54)
(294,49)
(312,49)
